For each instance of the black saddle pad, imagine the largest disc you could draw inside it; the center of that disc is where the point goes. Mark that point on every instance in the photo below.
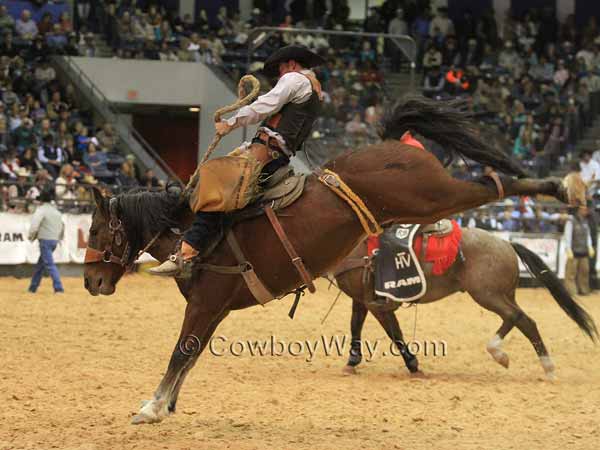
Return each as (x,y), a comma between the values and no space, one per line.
(398,274)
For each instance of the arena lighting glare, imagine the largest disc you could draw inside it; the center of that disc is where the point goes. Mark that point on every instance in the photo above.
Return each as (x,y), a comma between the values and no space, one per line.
(194,109)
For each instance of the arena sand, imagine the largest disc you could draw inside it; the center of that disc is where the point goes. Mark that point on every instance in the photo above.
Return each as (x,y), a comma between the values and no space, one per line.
(74,369)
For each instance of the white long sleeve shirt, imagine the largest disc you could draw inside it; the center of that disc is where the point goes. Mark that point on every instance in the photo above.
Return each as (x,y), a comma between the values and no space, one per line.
(47,224)
(293,87)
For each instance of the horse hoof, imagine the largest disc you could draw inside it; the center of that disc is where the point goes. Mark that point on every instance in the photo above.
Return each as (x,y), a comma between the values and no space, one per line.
(349,370)
(418,375)
(141,418)
(502,359)
(551,376)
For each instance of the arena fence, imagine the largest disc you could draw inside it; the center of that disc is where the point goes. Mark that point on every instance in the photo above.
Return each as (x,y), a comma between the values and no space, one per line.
(15,248)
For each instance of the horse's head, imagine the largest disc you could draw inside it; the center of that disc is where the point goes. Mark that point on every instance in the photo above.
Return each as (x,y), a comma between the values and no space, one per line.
(108,250)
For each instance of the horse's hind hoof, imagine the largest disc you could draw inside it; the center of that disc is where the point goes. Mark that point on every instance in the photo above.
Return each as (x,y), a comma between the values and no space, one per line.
(141,418)
(418,375)
(349,370)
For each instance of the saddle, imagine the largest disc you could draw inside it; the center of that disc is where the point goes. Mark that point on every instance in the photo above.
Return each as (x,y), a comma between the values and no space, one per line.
(277,192)
(439,229)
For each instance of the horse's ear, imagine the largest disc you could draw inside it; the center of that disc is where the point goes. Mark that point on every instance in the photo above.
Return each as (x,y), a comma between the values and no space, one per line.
(100,200)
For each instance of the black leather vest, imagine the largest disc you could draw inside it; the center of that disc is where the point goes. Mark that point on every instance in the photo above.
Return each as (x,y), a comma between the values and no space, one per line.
(294,122)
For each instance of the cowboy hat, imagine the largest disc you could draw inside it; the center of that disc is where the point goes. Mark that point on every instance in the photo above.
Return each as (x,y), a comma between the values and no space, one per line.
(89,179)
(299,53)
(23,172)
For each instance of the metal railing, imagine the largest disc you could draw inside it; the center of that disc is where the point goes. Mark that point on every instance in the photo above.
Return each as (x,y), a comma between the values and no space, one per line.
(128,134)
(258,36)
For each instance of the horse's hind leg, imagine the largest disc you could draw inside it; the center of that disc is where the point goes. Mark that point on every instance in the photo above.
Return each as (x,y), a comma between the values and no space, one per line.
(390,324)
(528,327)
(359,314)
(505,306)
(512,315)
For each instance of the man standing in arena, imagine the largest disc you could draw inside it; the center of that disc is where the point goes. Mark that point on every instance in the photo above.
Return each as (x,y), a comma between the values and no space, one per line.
(578,244)
(48,228)
(286,113)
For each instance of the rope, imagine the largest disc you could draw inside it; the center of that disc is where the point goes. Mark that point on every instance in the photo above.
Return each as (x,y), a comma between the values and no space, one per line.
(242,100)
(366,218)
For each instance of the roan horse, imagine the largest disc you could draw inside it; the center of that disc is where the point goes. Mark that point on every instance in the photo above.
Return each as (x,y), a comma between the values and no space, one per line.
(397,182)
(489,272)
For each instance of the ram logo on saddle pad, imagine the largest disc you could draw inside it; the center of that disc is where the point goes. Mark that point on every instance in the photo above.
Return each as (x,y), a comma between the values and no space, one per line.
(395,255)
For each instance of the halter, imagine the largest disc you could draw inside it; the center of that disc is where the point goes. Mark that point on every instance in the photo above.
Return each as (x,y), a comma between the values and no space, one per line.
(117,233)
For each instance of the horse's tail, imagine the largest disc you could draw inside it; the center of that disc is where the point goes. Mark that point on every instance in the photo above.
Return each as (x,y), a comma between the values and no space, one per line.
(558,290)
(448,123)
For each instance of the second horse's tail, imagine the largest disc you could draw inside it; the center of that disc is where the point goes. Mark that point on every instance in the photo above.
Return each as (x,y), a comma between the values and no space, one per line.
(542,272)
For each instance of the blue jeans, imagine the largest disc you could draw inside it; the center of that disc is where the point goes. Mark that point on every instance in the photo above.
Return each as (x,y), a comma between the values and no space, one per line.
(46,261)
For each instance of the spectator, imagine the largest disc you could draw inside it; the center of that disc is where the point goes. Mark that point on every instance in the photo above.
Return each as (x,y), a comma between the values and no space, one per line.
(54,106)
(44,75)
(66,183)
(434,82)
(509,219)
(7,23)
(398,25)
(56,39)
(25,27)
(64,21)
(130,159)
(4,127)
(432,58)
(18,191)
(44,129)
(28,160)
(96,161)
(48,228)
(590,168)
(150,181)
(441,22)
(50,156)
(42,181)
(142,29)
(9,166)
(24,135)
(509,59)
(106,137)
(562,75)
(126,176)
(456,81)
(45,25)
(578,243)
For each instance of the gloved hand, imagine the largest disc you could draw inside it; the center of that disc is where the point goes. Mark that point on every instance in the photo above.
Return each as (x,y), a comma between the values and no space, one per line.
(591,252)
(569,254)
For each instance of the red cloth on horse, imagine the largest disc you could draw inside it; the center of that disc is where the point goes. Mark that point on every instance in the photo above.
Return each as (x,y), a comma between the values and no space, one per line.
(441,250)
(409,140)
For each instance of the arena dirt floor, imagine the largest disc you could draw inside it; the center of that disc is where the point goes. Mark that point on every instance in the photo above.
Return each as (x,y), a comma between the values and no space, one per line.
(74,368)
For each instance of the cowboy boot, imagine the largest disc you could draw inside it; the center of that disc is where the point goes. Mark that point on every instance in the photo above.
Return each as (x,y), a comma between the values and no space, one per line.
(179,264)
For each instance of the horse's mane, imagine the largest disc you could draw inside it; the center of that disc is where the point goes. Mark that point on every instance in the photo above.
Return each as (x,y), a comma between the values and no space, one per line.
(144,211)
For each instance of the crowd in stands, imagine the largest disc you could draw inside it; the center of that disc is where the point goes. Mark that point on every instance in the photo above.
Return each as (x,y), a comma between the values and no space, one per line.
(532,82)
(47,137)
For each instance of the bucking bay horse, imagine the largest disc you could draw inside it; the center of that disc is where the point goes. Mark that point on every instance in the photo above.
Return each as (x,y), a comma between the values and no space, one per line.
(488,271)
(395,181)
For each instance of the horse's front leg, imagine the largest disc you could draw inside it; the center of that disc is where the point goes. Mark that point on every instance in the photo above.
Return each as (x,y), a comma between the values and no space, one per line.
(188,367)
(198,326)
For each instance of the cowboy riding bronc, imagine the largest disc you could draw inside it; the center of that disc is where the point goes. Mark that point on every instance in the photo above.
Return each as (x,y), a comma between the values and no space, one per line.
(287,112)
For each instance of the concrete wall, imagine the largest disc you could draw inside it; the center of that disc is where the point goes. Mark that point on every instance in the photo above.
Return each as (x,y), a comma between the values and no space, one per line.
(164,83)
